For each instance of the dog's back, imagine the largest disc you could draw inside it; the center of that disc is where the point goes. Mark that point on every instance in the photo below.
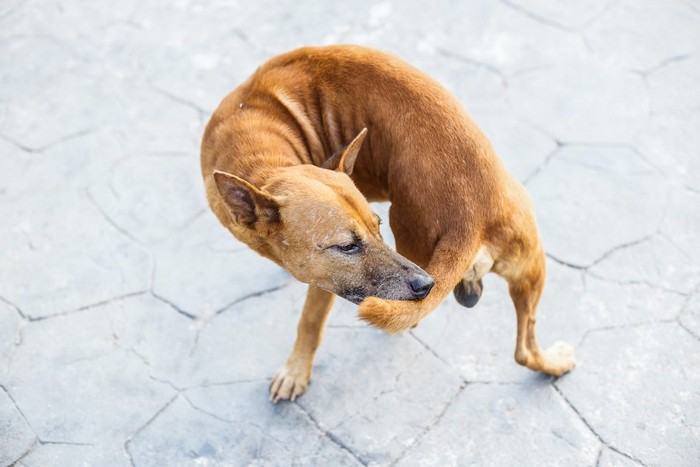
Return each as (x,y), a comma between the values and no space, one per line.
(423,151)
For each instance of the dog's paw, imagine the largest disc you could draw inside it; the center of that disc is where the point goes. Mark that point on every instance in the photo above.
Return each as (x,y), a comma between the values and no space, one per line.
(468,293)
(560,357)
(288,384)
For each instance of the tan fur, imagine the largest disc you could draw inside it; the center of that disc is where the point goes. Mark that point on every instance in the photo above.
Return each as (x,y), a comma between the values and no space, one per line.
(456,212)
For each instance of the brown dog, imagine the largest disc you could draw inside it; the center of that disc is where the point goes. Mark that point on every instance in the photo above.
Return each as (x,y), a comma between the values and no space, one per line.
(455,211)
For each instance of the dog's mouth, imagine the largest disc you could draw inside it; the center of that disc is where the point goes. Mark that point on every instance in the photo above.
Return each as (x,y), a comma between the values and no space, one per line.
(353,296)
(356,296)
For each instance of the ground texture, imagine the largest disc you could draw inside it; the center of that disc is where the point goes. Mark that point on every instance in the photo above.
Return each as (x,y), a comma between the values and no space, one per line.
(134,330)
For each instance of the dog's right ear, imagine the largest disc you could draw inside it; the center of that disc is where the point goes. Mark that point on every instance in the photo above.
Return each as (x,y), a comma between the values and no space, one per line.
(344,161)
(247,204)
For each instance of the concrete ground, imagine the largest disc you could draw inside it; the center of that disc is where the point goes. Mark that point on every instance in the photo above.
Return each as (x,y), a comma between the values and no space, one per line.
(134,330)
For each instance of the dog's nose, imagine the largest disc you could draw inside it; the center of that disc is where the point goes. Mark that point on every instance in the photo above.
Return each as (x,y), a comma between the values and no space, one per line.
(421,286)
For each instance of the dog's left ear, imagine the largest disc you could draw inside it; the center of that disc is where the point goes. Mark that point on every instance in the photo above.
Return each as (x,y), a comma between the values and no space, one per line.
(248,205)
(344,161)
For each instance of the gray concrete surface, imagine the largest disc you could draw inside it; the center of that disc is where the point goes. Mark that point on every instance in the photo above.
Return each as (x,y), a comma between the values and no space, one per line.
(135,331)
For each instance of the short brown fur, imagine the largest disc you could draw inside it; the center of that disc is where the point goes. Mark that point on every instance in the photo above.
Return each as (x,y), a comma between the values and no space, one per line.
(456,212)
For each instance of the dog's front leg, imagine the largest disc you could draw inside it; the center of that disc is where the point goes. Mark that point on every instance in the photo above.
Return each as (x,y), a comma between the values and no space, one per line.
(291,381)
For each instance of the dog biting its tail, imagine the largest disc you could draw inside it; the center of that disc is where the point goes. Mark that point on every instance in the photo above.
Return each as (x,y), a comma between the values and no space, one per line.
(292,156)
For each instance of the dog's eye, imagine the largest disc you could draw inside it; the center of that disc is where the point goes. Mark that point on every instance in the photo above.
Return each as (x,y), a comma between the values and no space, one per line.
(349,248)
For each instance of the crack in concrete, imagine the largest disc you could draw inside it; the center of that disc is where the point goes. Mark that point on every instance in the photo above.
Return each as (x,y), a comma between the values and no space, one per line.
(429,349)
(111,221)
(19,340)
(16,463)
(204,320)
(637,282)
(26,420)
(536,126)
(174,154)
(621,246)
(503,383)
(19,335)
(598,457)
(688,330)
(229,383)
(103,302)
(332,437)
(604,256)
(201,112)
(554,24)
(261,429)
(33,319)
(400,373)
(694,191)
(184,313)
(147,363)
(49,145)
(542,165)
(253,295)
(663,64)
(561,144)
(253,44)
(206,412)
(65,443)
(679,316)
(14,307)
(560,436)
(417,440)
(267,436)
(623,326)
(90,306)
(188,222)
(678,248)
(590,427)
(89,358)
(474,63)
(152,278)
(219,311)
(537,18)
(38,441)
(129,439)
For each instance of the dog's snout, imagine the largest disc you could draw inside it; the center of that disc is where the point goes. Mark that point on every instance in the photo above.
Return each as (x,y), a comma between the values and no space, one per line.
(421,285)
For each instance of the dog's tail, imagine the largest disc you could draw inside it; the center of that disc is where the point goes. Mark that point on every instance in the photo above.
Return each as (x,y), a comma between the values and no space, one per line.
(447,266)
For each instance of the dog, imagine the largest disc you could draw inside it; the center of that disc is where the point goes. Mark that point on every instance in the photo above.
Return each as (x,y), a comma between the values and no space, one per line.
(292,157)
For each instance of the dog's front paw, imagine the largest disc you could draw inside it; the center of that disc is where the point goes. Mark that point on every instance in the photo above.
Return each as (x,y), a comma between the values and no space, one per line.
(288,384)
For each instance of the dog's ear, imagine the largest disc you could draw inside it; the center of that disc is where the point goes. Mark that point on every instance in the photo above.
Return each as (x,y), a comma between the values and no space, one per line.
(246,203)
(344,161)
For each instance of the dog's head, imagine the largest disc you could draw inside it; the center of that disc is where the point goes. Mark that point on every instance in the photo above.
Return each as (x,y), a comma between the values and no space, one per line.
(316,223)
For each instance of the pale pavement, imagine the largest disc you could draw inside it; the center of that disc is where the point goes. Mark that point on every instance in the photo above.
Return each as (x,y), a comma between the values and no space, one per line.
(134,330)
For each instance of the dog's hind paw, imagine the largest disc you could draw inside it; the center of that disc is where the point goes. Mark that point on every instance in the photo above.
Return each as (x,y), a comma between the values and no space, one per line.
(288,385)
(468,293)
(560,358)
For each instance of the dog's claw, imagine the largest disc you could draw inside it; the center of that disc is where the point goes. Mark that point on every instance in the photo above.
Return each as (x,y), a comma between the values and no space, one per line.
(288,385)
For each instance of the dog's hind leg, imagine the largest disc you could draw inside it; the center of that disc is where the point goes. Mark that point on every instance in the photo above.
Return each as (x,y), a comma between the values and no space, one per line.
(447,264)
(525,283)
(291,381)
